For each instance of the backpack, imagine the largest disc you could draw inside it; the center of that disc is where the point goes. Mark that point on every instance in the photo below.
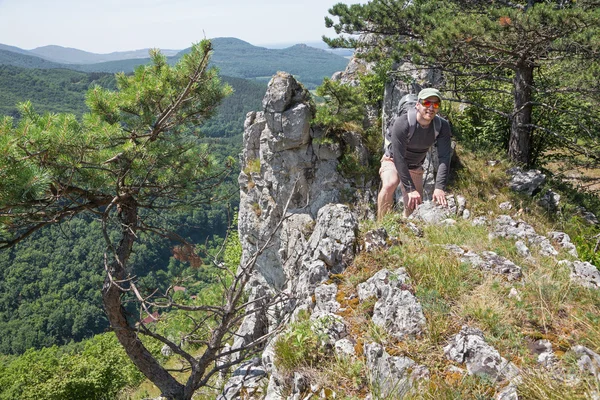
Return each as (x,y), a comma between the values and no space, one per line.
(407,105)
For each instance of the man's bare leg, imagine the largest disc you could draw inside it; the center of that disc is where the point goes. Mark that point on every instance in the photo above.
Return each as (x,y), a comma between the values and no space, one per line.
(385,199)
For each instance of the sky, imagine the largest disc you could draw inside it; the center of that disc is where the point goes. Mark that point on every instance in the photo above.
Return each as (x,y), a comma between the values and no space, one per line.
(104,26)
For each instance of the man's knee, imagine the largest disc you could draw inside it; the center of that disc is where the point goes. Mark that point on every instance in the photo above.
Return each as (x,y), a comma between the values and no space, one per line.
(389,184)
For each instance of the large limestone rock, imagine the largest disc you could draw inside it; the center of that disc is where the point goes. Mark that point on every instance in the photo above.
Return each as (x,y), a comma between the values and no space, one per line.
(279,168)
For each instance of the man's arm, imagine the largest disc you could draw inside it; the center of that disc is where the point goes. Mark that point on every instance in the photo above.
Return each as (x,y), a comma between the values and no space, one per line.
(444,148)
(399,145)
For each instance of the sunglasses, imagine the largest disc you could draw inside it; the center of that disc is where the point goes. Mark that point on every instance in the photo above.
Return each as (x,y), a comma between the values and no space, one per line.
(427,104)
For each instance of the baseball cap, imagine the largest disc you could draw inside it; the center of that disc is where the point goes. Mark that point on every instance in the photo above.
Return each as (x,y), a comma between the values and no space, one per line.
(429,92)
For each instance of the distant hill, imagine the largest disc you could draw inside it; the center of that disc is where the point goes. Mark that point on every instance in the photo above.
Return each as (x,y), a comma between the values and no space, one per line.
(309,65)
(49,90)
(234,57)
(24,60)
(62,90)
(74,56)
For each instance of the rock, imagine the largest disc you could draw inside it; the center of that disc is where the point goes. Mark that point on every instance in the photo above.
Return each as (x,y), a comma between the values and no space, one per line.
(564,241)
(379,285)
(550,200)
(490,261)
(514,294)
(507,393)
(479,221)
(334,238)
(461,205)
(588,216)
(589,361)
(393,376)
(506,227)
(585,274)
(345,347)
(397,309)
(543,350)
(469,347)
(325,298)
(466,214)
(522,249)
(329,326)
(415,229)
(431,213)
(248,378)
(166,351)
(505,206)
(376,239)
(525,181)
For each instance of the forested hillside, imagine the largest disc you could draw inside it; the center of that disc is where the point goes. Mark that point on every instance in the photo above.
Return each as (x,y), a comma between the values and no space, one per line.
(232,56)
(49,90)
(50,283)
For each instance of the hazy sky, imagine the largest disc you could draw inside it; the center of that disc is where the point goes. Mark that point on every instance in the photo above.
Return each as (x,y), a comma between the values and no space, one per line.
(103,26)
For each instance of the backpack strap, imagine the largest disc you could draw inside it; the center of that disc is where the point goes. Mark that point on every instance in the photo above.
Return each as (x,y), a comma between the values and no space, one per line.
(411,114)
(437,125)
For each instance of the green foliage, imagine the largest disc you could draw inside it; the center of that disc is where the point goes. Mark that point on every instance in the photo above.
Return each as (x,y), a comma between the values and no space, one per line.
(49,90)
(95,369)
(344,108)
(300,345)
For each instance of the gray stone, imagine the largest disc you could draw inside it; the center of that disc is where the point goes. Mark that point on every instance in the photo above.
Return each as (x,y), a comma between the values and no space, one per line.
(525,181)
(505,206)
(400,313)
(248,378)
(376,239)
(550,200)
(522,249)
(379,285)
(431,213)
(325,298)
(588,361)
(166,351)
(469,347)
(330,327)
(507,393)
(345,348)
(585,274)
(392,376)
(490,261)
(466,214)
(588,216)
(514,294)
(564,241)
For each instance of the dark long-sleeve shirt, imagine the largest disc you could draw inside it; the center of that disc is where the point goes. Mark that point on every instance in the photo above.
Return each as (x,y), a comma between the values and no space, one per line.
(411,155)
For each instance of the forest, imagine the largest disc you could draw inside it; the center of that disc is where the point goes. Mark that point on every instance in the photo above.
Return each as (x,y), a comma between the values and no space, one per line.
(49,284)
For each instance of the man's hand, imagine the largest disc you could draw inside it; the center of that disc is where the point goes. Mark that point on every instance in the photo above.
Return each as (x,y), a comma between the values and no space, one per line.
(414,199)
(439,196)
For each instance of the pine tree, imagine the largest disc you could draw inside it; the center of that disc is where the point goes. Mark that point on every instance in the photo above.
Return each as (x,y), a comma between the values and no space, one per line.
(494,51)
(136,153)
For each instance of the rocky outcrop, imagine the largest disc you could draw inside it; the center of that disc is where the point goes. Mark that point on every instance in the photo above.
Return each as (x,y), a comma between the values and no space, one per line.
(293,219)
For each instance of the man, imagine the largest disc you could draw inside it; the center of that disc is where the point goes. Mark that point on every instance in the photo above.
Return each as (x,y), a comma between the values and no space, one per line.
(403,159)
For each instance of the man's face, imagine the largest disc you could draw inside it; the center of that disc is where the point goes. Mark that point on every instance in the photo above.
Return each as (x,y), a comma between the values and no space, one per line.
(428,108)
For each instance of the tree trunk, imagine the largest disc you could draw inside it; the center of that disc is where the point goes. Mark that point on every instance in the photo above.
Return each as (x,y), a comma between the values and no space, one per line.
(111,296)
(520,131)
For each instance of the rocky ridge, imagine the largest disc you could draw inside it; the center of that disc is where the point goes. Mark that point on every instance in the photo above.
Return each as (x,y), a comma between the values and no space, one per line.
(293,196)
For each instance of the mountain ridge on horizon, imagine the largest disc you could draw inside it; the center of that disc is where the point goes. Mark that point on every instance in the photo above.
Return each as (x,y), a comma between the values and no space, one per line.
(234,57)
(74,56)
